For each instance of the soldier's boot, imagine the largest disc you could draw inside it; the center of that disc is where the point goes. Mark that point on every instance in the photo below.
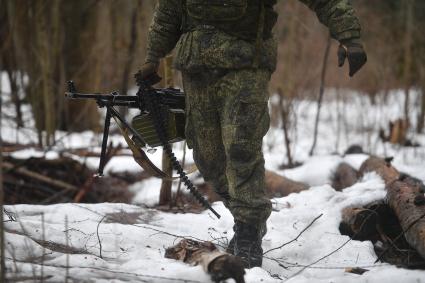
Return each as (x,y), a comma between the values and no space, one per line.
(247,244)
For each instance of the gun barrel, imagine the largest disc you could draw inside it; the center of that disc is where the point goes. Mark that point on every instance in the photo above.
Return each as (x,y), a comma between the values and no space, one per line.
(101,96)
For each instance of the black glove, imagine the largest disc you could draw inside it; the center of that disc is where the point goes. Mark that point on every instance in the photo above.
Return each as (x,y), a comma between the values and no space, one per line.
(147,75)
(147,70)
(352,49)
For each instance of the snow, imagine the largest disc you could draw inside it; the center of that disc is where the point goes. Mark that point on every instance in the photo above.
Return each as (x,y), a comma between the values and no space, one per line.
(134,238)
(65,238)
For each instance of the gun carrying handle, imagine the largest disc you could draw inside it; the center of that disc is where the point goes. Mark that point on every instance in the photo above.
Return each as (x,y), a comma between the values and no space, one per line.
(102,161)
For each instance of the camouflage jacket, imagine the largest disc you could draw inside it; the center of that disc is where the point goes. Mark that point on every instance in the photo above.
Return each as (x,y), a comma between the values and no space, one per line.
(204,40)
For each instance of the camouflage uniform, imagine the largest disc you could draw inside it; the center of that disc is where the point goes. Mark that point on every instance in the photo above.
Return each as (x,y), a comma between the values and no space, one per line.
(226,64)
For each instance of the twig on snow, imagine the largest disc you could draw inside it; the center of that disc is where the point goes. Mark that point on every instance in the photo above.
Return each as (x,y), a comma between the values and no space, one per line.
(67,254)
(296,238)
(10,215)
(334,251)
(43,235)
(115,272)
(98,237)
(320,259)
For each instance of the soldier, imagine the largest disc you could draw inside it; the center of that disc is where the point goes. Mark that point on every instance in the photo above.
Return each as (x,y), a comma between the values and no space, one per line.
(226,53)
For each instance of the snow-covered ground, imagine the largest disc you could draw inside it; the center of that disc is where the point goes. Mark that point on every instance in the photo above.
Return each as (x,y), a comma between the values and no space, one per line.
(126,242)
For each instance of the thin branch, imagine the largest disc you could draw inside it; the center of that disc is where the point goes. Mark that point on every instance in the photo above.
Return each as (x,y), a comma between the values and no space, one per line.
(67,254)
(321,91)
(320,259)
(98,237)
(43,235)
(336,250)
(296,238)
(114,272)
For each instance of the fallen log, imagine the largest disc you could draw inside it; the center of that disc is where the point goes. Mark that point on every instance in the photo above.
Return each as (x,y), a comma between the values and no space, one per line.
(33,175)
(279,186)
(276,186)
(408,203)
(380,166)
(219,265)
(359,223)
(404,197)
(344,176)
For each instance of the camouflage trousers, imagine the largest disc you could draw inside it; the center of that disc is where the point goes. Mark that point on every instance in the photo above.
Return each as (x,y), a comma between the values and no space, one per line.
(227,118)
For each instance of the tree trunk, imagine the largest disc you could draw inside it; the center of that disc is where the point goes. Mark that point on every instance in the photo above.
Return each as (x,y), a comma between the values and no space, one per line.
(407,64)
(321,91)
(165,196)
(2,259)
(284,112)
(421,116)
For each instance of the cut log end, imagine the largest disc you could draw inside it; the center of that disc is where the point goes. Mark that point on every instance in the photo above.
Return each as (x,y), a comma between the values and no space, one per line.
(344,176)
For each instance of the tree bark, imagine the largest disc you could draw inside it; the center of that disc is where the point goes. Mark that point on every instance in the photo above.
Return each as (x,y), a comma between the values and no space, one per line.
(359,223)
(405,198)
(279,186)
(345,176)
(408,203)
(165,196)
(380,166)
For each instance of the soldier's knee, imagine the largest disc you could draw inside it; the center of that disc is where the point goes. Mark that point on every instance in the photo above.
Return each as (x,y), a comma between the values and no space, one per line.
(243,153)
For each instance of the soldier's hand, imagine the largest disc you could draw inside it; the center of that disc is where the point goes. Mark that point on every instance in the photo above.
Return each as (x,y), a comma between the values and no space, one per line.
(148,69)
(354,52)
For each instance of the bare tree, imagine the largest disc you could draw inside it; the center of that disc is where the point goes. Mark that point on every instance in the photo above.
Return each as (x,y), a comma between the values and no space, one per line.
(165,196)
(2,262)
(285,109)
(321,91)
(407,58)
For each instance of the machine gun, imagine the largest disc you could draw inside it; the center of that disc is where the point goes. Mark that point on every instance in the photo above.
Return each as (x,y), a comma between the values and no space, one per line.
(160,122)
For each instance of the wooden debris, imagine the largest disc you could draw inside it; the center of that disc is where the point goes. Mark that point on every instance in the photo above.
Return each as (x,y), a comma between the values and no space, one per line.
(356,270)
(33,175)
(405,198)
(46,181)
(344,176)
(397,132)
(88,184)
(279,186)
(219,265)
(361,223)
(380,166)
(408,204)
(276,186)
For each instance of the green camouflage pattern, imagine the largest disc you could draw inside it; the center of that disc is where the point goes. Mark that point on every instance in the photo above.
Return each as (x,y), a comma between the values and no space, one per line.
(338,16)
(237,17)
(211,49)
(196,45)
(227,117)
(225,75)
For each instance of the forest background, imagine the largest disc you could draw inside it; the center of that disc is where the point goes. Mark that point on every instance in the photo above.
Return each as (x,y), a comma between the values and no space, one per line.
(100,44)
